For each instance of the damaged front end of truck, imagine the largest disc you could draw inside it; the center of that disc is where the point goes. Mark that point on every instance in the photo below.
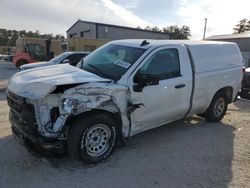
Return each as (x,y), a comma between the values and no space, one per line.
(84,109)
(41,112)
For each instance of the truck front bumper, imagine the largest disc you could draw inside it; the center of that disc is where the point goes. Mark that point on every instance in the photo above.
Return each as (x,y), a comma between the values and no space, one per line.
(36,143)
(24,128)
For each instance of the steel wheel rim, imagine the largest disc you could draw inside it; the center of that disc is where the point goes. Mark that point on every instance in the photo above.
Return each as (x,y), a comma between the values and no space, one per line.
(219,106)
(97,139)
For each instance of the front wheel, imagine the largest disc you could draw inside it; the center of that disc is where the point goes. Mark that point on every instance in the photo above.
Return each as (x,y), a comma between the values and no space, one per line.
(92,139)
(217,108)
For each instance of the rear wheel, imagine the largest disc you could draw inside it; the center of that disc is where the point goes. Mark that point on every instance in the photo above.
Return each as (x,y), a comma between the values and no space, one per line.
(217,108)
(92,139)
(20,63)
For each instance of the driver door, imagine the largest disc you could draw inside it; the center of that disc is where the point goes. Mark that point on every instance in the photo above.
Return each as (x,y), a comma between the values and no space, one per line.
(168,100)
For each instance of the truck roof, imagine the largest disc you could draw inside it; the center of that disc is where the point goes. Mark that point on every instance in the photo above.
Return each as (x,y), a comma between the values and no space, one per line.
(154,43)
(206,55)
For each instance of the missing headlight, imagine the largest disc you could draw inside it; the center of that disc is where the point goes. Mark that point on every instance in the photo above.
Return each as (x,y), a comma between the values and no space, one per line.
(69,105)
(54,114)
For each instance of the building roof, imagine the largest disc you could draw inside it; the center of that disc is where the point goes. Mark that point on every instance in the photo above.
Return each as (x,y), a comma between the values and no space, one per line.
(230,36)
(124,27)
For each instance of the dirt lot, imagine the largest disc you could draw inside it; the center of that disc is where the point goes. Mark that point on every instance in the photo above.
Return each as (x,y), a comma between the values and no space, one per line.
(191,153)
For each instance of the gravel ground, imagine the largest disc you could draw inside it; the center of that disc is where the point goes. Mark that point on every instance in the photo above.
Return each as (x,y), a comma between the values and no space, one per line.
(188,153)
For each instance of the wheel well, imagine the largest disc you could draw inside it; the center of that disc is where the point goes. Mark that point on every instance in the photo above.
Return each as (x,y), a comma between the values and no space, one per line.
(228,91)
(18,62)
(113,115)
(22,60)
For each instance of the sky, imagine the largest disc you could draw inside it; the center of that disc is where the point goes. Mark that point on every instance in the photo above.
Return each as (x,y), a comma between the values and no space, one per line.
(56,16)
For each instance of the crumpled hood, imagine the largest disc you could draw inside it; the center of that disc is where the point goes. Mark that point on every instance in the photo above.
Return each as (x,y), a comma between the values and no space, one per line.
(36,65)
(39,82)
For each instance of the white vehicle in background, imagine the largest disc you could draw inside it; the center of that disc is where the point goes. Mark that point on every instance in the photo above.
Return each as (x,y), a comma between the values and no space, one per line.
(121,89)
(3,56)
(67,57)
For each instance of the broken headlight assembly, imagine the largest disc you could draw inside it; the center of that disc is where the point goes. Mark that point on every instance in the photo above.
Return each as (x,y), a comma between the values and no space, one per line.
(44,113)
(70,105)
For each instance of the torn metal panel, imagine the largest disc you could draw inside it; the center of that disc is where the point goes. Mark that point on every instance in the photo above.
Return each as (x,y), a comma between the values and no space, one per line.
(99,96)
(122,99)
(43,109)
(82,98)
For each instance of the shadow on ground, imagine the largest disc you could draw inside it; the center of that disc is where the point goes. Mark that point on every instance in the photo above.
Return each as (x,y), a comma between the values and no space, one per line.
(243,104)
(7,70)
(183,154)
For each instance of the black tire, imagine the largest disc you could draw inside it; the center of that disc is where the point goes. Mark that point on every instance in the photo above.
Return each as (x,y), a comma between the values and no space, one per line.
(101,132)
(217,108)
(20,63)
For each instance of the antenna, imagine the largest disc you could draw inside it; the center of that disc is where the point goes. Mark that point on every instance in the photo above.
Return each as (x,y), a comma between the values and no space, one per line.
(144,43)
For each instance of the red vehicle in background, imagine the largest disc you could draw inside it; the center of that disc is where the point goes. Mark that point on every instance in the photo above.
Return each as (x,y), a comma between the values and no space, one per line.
(34,50)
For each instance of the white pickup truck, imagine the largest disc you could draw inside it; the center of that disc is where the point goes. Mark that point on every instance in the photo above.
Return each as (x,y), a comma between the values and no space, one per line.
(121,89)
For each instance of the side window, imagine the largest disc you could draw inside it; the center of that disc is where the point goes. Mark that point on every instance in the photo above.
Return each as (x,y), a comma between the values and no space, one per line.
(164,64)
(39,51)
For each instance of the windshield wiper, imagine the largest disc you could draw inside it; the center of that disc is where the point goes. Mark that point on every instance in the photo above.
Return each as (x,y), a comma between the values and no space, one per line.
(81,63)
(98,71)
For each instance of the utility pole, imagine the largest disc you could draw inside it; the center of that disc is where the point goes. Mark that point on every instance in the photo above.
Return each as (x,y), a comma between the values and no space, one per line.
(205,28)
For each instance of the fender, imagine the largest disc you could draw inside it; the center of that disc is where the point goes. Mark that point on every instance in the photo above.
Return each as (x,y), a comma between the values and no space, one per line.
(105,96)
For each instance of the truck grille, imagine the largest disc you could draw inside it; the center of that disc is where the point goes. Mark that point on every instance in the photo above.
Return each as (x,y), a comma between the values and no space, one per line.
(22,114)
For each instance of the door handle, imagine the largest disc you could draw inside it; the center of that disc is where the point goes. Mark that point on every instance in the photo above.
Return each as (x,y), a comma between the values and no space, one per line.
(180,86)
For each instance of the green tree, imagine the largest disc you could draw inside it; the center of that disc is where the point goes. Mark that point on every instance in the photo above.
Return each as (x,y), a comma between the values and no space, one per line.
(148,28)
(22,33)
(242,26)
(185,32)
(9,37)
(155,28)
(177,32)
(60,37)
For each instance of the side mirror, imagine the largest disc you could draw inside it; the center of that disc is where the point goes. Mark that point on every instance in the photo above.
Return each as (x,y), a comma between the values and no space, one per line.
(65,61)
(143,80)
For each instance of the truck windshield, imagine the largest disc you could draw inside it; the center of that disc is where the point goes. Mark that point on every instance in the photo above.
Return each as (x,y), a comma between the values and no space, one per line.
(111,61)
